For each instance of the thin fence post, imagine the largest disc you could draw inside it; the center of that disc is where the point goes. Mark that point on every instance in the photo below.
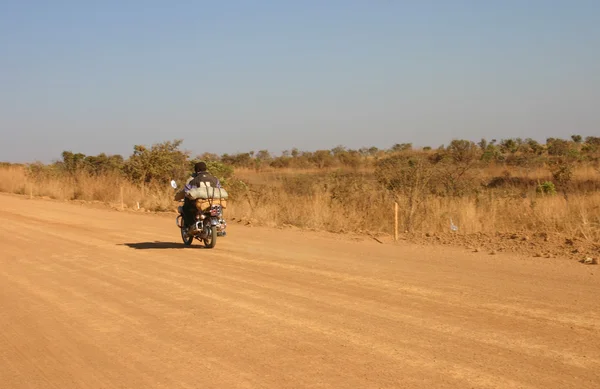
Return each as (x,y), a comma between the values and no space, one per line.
(122,204)
(30,190)
(395,221)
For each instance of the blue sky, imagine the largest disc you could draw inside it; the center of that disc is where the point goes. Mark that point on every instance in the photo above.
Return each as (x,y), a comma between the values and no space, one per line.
(249,75)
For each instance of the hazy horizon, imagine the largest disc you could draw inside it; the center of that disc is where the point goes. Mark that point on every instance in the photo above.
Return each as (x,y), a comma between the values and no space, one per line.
(245,76)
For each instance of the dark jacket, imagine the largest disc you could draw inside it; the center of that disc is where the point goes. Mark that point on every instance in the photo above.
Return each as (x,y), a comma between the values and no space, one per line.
(199,178)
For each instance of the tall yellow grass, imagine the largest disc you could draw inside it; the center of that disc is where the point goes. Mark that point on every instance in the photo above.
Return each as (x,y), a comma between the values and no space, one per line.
(106,189)
(489,212)
(580,216)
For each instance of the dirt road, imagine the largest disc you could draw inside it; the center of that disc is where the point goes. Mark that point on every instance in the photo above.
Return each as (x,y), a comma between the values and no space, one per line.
(94,298)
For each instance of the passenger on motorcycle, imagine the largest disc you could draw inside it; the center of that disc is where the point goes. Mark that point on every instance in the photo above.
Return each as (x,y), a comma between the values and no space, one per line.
(197,179)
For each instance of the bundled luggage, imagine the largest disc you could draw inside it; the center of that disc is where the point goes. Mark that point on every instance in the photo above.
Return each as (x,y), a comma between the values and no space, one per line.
(207,192)
(205,196)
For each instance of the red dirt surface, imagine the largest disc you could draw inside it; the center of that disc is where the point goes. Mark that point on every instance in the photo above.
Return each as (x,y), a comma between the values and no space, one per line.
(93,298)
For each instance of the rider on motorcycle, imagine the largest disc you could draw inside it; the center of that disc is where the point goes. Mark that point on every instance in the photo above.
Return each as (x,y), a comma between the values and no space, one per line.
(199,176)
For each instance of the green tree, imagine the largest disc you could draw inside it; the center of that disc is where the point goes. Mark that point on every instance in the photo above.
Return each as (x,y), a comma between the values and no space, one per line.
(557,147)
(462,151)
(104,164)
(161,163)
(534,146)
(72,162)
(492,153)
(263,155)
(220,170)
(244,160)
(509,146)
(591,145)
(400,147)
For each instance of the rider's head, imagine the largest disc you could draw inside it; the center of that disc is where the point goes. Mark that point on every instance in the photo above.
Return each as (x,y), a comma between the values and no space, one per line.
(200,167)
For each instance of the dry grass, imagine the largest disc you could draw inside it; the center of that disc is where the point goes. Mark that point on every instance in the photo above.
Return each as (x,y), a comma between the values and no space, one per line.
(580,216)
(315,200)
(106,189)
(505,210)
(271,175)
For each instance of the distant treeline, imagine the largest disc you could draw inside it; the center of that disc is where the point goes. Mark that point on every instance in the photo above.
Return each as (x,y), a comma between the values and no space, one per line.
(166,160)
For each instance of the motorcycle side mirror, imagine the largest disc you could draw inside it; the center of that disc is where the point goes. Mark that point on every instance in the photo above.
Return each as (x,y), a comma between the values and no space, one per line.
(173,184)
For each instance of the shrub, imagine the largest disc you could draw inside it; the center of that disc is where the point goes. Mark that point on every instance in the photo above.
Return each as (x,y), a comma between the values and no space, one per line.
(161,163)
(547,188)
(220,170)
(408,179)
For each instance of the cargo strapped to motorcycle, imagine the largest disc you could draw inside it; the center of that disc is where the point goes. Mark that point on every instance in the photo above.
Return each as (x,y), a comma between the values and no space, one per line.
(206,196)
(206,191)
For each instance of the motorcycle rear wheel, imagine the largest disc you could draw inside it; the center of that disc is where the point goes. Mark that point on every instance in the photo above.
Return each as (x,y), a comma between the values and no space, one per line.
(211,240)
(187,239)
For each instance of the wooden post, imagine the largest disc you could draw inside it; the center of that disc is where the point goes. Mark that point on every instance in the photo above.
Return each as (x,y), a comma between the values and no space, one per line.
(30,190)
(396,221)
(122,205)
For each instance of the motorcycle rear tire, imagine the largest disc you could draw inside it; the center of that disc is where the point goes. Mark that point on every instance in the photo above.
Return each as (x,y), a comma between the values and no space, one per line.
(211,240)
(187,239)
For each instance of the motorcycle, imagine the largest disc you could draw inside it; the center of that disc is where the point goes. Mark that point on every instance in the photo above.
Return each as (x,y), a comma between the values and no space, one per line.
(208,224)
